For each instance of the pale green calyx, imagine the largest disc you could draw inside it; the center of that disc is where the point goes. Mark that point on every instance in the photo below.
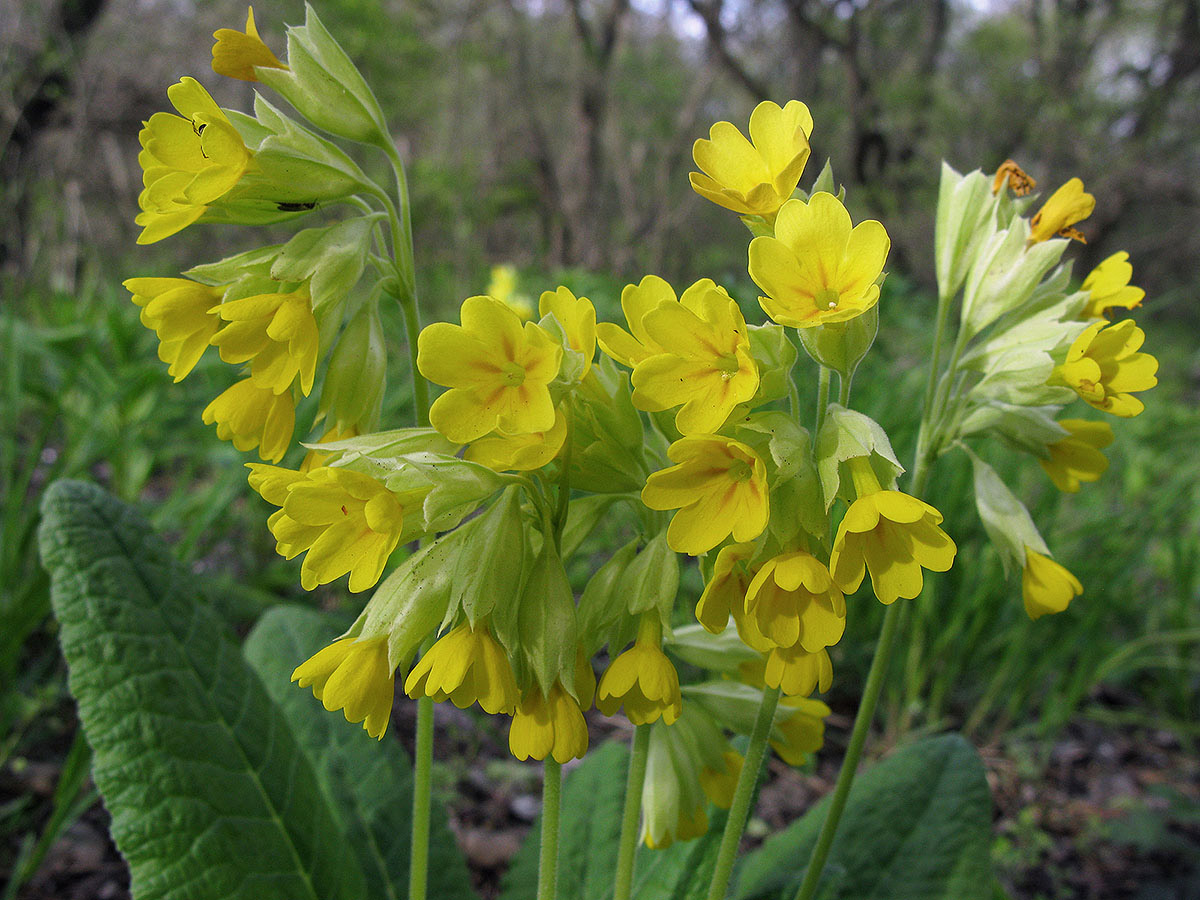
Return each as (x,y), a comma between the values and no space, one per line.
(847,435)
(1005,518)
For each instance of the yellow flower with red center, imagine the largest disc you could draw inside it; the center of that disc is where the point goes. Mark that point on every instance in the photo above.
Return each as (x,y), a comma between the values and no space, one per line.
(179,311)
(252,416)
(637,300)
(519,452)
(719,486)
(817,268)
(236,53)
(797,672)
(642,680)
(1109,287)
(705,366)
(754,177)
(498,372)
(1077,457)
(1046,586)
(1105,369)
(466,666)
(354,676)
(346,522)
(276,333)
(548,725)
(889,534)
(188,161)
(794,601)
(1066,206)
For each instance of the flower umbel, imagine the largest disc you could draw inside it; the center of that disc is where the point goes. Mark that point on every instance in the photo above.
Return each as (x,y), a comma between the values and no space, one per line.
(817,268)
(706,366)
(497,372)
(252,416)
(188,161)
(1047,587)
(354,676)
(754,177)
(719,486)
(1105,369)
(236,53)
(179,311)
(466,666)
(1077,457)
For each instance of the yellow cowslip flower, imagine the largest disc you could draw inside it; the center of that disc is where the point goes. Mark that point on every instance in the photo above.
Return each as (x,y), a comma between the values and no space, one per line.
(577,316)
(466,666)
(719,486)
(498,373)
(725,593)
(316,458)
(276,333)
(636,301)
(890,534)
(754,177)
(188,161)
(1105,369)
(1018,181)
(548,726)
(705,366)
(354,676)
(252,416)
(1077,457)
(1046,586)
(642,679)
(799,729)
(179,311)
(797,672)
(1109,287)
(794,601)
(519,452)
(817,268)
(346,521)
(719,784)
(236,53)
(1066,206)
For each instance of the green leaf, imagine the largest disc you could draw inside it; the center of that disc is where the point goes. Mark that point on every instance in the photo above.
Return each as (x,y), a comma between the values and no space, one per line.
(917,826)
(592,801)
(367,783)
(209,793)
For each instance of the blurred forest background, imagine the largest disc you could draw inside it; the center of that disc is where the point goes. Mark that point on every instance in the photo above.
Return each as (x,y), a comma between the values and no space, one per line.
(555,136)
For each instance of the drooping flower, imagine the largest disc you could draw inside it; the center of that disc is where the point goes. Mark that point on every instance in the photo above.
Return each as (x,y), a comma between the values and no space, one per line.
(466,665)
(1077,457)
(794,601)
(636,301)
(252,416)
(179,311)
(889,534)
(519,452)
(1066,206)
(754,177)
(817,268)
(725,593)
(346,521)
(1018,181)
(1109,287)
(1047,586)
(577,316)
(236,53)
(705,366)
(797,672)
(799,729)
(548,726)
(188,161)
(719,486)
(642,680)
(497,372)
(354,676)
(276,333)
(720,783)
(1105,369)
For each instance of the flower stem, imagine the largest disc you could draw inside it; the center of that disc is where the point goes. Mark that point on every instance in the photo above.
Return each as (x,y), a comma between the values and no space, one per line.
(739,810)
(418,872)
(551,801)
(412,326)
(822,397)
(858,737)
(626,851)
